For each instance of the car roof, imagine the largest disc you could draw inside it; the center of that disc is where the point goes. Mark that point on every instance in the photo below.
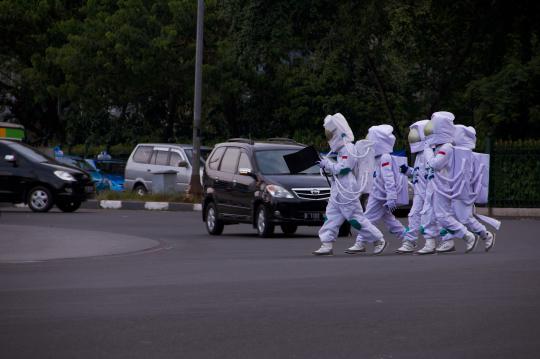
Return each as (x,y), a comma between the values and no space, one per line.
(262,145)
(182,145)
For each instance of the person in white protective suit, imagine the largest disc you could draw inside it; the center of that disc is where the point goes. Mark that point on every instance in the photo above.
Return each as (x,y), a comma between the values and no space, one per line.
(418,178)
(383,198)
(437,212)
(463,208)
(344,204)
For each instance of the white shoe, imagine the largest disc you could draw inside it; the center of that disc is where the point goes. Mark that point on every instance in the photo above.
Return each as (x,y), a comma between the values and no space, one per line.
(407,246)
(325,250)
(470,241)
(358,247)
(379,246)
(489,240)
(446,246)
(429,247)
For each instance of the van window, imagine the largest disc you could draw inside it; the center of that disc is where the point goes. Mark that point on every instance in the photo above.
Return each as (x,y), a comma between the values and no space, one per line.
(162,158)
(244,161)
(175,159)
(230,159)
(216,158)
(142,154)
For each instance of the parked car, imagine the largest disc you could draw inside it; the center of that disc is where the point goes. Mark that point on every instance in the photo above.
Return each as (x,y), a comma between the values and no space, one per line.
(249,182)
(112,172)
(99,181)
(29,176)
(148,158)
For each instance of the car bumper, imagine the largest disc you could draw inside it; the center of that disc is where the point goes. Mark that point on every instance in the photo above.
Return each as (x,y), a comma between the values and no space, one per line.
(77,191)
(302,213)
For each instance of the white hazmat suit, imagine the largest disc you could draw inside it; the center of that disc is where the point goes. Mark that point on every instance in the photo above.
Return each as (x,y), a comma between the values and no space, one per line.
(419,181)
(441,171)
(344,204)
(387,184)
(465,137)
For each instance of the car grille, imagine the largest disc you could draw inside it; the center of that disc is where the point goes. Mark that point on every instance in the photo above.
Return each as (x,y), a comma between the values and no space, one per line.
(314,194)
(81,177)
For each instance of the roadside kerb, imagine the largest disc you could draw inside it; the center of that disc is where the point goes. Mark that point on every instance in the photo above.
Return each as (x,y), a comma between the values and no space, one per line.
(140,205)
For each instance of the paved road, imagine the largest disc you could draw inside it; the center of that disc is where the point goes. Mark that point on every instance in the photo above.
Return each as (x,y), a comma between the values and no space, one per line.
(236,296)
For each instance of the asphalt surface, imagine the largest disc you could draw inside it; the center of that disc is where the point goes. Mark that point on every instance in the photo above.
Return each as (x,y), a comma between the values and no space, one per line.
(237,296)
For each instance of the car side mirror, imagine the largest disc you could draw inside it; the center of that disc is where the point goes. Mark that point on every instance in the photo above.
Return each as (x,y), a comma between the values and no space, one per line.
(9,158)
(246,172)
(182,164)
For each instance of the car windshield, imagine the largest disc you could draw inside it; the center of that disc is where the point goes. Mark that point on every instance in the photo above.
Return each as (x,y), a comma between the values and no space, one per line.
(204,155)
(30,153)
(271,162)
(112,167)
(82,164)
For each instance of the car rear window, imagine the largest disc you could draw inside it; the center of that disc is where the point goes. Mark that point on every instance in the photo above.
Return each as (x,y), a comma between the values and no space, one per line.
(230,159)
(216,158)
(142,154)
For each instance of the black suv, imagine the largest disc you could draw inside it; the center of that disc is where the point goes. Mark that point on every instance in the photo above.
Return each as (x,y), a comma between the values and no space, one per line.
(29,176)
(249,182)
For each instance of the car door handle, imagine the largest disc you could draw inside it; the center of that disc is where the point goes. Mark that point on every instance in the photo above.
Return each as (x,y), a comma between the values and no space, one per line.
(148,170)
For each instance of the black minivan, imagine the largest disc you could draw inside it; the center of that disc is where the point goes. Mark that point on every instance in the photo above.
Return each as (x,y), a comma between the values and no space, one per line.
(249,182)
(29,176)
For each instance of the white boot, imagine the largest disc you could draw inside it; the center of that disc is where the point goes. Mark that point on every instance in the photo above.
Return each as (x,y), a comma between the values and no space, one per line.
(325,250)
(379,246)
(489,240)
(429,247)
(470,241)
(446,246)
(407,246)
(358,247)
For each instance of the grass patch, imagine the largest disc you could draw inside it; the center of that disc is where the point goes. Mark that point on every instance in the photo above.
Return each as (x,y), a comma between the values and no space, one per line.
(150,197)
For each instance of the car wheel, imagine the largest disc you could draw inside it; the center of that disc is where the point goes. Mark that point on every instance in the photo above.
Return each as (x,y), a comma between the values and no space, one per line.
(289,228)
(40,199)
(344,230)
(214,225)
(264,227)
(140,190)
(68,206)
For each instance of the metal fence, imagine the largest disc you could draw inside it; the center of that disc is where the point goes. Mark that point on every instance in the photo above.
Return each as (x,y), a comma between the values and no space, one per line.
(514,177)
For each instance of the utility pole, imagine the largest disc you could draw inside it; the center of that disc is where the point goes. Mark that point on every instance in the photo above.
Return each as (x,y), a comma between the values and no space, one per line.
(195,188)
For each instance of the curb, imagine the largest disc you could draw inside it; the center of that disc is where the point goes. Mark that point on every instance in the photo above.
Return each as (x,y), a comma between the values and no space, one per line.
(509,212)
(139,205)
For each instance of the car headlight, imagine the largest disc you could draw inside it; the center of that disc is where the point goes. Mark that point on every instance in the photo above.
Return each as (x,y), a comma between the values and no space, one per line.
(63,175)
(278,191)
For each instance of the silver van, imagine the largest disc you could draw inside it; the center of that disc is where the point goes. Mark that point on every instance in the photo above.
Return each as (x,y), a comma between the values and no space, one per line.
(149,158)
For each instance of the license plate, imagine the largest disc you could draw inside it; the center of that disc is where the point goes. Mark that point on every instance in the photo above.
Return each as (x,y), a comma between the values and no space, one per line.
(89,189)
(312,215)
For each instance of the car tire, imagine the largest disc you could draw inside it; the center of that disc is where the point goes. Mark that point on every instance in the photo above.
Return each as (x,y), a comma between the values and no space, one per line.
(68,206)
(214,225)
(265,228)
(289,228)
(140,189)
(344,230)
(40,199)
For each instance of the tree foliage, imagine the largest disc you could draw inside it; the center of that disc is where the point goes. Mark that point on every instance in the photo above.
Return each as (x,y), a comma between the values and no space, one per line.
(103,71)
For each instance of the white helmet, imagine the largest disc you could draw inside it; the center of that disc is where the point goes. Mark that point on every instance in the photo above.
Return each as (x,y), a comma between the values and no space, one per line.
(382,138)
(416,136)
(338,131)
(441,128)
(465,137)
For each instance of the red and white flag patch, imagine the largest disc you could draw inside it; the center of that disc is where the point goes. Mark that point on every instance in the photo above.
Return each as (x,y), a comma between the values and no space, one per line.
(385,164)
